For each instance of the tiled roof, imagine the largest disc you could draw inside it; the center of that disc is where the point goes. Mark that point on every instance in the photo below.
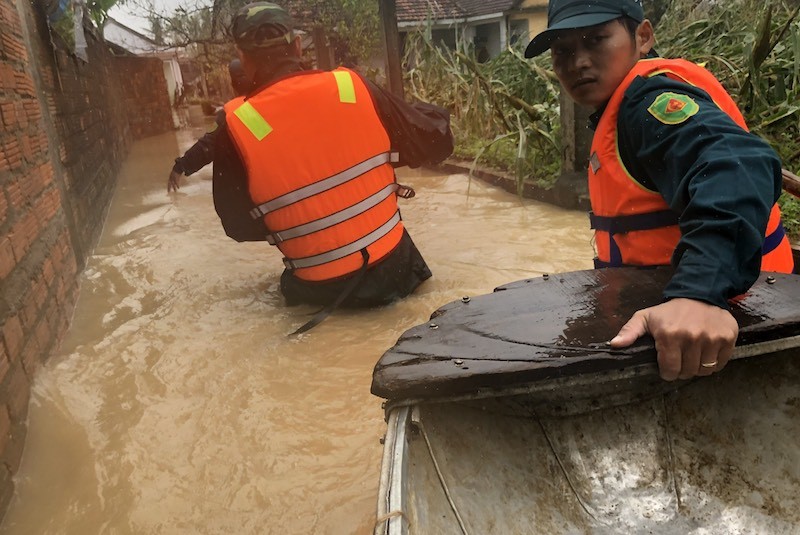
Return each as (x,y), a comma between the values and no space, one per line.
(420,10)
(485,7)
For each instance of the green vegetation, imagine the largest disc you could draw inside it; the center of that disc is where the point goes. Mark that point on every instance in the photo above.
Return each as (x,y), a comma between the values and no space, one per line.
(505,111)
(508,101)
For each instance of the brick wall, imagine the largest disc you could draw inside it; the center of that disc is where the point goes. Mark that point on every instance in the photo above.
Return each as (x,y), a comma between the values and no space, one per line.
(145,99)
(86,123)
(37,261)
(64,132)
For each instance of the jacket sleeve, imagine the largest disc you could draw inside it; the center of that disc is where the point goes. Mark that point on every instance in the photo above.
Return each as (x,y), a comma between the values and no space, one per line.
(201,153)
(419,132)
(719,178)
(231,196)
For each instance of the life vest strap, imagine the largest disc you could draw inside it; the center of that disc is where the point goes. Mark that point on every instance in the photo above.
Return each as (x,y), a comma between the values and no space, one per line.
(352,284)
(324,185)
(373,200)
(772,241)
(629,223)
(345,250)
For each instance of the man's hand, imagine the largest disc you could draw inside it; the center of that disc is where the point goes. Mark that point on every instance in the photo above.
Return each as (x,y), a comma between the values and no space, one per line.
(173,184)
(692,337)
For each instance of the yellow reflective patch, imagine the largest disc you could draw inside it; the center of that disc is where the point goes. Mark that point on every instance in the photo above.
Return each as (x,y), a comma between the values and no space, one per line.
(347,91)
(253,120)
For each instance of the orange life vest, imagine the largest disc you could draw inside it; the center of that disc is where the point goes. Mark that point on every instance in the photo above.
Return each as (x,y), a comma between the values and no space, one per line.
(634,225)
(318,167)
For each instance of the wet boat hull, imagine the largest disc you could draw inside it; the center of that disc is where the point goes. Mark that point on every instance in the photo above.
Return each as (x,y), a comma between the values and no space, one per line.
(718,456)
(606,449)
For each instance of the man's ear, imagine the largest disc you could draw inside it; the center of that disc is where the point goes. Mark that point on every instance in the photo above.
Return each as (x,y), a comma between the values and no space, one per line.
(645,37)
(298,46)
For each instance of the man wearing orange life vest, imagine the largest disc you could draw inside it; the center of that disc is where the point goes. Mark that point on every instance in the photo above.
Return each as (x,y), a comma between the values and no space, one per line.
(306,161)
(674,177)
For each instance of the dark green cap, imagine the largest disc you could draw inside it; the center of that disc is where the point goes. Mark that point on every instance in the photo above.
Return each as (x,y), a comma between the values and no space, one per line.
(262,25)
(571,14)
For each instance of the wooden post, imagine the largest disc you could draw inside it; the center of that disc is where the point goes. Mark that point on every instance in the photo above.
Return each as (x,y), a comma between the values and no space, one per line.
(391,40)
(576,141)
(324,52)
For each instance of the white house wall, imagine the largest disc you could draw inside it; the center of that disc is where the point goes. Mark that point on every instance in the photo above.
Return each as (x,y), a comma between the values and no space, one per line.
(127,40)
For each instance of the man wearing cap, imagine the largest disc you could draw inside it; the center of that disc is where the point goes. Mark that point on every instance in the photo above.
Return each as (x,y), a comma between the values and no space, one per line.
(674,178)
(306,162)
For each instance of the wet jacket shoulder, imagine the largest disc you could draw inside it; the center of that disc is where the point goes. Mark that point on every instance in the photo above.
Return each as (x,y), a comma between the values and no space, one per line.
(419,132)
(722,180)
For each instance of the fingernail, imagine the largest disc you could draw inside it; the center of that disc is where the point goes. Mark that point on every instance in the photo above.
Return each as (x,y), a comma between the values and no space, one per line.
(613,340)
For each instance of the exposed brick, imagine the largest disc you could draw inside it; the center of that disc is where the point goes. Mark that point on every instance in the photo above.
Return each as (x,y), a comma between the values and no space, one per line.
(22,235)
(52,107)
(27,148)
(11,153)
(5,425)
(13,47)
(19,112)
(3,208)
(13,337)
(48,273)
(37,180)
(8,81)
(25,87)
(28,312)
(7,111)
(39,291)
(7,261)
(19,390)
(32,357)
(9,16)
(4,363)
(15,197)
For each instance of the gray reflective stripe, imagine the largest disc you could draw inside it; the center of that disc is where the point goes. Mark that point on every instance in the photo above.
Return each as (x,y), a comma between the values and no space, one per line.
(323,185)
(325,222)
(341,252)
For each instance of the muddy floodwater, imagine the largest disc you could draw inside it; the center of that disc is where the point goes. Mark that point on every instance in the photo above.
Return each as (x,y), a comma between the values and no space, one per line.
(178,405)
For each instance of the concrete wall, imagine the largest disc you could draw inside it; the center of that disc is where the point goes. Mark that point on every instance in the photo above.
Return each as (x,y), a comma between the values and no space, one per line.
(64,131)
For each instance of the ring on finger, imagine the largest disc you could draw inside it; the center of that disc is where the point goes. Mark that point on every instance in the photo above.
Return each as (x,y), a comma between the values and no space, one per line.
(712,364)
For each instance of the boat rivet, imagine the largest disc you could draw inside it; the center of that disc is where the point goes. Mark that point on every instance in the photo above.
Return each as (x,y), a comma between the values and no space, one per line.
(433,326)
(382,440)
(770,280)
(383,406)
(465,299)
(458,362)
(546,276)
